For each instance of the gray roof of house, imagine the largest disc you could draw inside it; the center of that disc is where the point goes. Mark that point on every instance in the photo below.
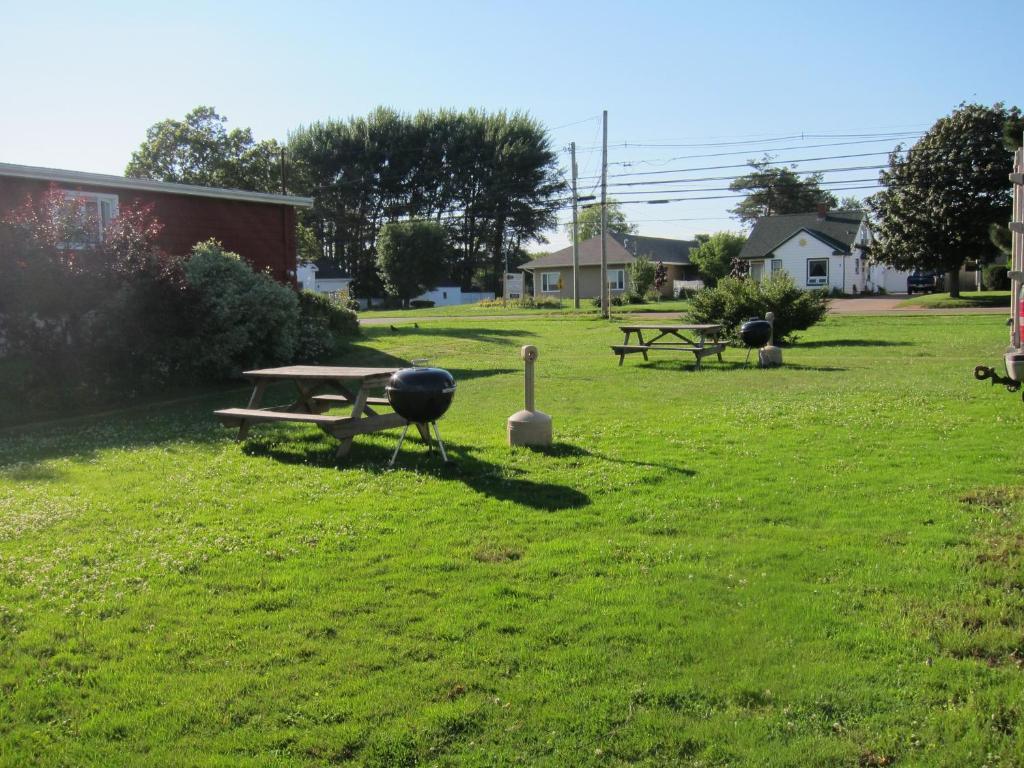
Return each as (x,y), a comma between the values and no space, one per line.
(837,228)
(328,270)
(622,249)
(61,176)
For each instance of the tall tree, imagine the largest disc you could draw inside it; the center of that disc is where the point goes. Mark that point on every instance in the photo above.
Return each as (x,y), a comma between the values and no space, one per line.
(942,196)
(775,189)
(201,150)
(490,179)
(714,255)
(590,221)
(411,257)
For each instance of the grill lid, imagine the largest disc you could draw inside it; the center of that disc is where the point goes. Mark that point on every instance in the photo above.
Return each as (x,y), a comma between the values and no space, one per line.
(421,395)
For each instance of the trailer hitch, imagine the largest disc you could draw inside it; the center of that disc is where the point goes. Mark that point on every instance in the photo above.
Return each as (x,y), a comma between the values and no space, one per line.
(983,372)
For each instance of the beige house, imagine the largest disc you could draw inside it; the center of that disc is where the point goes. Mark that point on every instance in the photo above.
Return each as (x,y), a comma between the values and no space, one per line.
(552,274)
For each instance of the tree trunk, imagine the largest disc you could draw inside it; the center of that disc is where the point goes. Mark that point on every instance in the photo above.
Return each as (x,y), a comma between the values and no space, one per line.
(953,280)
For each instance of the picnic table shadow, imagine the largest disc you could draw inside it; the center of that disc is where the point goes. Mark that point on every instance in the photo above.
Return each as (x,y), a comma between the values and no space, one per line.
(684,366)
(850,343)
(493,480)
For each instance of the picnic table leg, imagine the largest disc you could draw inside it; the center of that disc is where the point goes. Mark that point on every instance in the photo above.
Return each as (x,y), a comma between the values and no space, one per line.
(353,397)
(305,398)
(254,402)
(357,411)
(640,338)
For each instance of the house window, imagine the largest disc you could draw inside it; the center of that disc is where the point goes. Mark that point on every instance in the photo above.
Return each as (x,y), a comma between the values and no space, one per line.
(856,266)
(93,214)
(776,265)
(817,271)
(550,282)
(617,279)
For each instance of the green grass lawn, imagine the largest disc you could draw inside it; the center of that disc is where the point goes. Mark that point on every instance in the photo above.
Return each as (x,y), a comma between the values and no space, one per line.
(587,308)
(819,565)
(966,299)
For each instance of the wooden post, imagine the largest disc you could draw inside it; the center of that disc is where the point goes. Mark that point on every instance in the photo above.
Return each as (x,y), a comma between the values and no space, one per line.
(575,235)
(605,292)
(1017,252)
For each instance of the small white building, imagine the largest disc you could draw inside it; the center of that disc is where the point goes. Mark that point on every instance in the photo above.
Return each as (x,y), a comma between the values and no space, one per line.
(322,277)
(825,249)
(448,295)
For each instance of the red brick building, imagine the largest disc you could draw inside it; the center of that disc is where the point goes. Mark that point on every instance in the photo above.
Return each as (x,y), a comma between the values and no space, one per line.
(258,226)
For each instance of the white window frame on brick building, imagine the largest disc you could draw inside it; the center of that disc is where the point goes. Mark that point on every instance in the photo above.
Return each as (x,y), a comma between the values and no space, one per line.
(99,209)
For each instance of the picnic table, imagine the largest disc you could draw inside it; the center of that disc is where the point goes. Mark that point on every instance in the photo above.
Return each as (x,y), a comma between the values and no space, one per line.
(320,388)
(700,339)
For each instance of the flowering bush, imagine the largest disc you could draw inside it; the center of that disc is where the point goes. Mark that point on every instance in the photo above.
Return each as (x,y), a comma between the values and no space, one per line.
(86,318)
(82,311)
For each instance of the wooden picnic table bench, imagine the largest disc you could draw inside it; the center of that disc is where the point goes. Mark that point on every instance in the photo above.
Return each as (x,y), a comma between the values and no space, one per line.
(348,387)
(699,339)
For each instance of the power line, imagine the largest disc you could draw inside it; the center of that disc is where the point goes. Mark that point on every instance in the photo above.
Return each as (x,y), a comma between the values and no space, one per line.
(747,165)
(800,136)
(731,178)
(665,161)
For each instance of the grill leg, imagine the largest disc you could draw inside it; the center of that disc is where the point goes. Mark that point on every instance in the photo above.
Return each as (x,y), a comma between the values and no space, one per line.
(440,443)
(399,446)
(747,358)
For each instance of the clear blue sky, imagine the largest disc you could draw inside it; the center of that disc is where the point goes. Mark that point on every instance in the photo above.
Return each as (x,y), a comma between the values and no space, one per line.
(83,81)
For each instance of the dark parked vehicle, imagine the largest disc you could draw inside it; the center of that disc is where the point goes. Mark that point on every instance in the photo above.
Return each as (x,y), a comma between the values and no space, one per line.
(924,282)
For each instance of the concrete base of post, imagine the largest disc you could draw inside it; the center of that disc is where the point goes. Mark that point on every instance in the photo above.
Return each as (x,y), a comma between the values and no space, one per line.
(529,428)
(769,357)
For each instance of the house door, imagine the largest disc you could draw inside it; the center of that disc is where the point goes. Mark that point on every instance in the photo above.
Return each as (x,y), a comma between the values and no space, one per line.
(756,271)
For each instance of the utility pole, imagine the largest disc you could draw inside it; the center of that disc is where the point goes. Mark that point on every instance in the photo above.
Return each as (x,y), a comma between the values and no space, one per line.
(604,216)
(575,235)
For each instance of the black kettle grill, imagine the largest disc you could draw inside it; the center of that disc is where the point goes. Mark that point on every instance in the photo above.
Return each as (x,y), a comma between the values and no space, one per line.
(421,396)
(755,333)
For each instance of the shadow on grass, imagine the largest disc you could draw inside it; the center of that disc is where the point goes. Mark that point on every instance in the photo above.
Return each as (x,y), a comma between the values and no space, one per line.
(727,365)
(492,480)
(489,335)
(851,343)
(568,450)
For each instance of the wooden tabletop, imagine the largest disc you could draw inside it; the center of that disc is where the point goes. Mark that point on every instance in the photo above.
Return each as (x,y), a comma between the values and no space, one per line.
(682,327)
(320,372)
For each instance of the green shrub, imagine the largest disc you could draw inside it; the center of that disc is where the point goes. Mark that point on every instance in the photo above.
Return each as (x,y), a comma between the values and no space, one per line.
(243,319)
(734,301)
(618,300)
(323,322)
(994,277)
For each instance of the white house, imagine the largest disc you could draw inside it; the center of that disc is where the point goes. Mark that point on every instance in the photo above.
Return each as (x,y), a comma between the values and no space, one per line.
(322,277)
(825,249)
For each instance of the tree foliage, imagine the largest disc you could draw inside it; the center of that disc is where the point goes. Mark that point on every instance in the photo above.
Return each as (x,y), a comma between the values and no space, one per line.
(201,150)
(490,179)
(713,257)
(642,273)
(775,189)
(411,257)
(943,195)
(589,221)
